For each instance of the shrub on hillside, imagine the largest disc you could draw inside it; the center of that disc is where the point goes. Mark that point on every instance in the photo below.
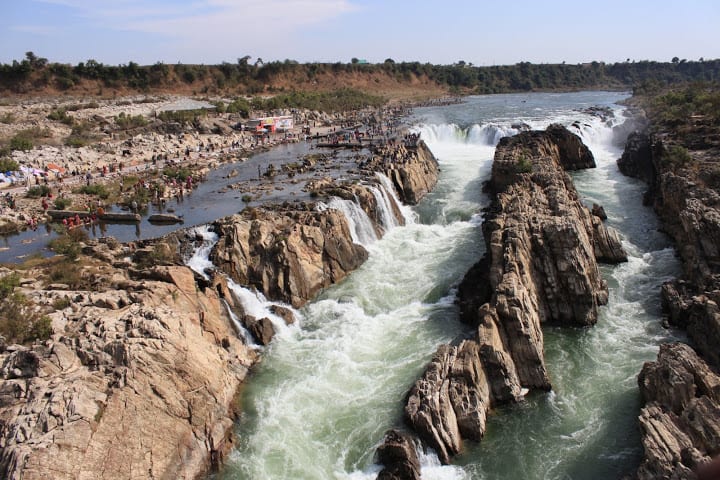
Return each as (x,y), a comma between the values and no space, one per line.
(38,191)
(20,321)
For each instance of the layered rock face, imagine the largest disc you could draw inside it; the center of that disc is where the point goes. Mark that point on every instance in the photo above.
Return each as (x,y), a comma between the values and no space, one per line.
(684,191)
(680,421)
(540,267)
(288,255)
(136,384)
(411,167)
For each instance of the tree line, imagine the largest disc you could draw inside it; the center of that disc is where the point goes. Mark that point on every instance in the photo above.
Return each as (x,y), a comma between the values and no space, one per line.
(242,76)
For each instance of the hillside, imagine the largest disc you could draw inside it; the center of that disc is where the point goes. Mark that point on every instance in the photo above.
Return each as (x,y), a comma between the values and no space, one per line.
(36,76)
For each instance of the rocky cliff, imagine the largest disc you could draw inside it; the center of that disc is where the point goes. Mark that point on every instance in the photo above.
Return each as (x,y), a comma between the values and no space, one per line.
(680,166)
(540,267)
(137,382)
(680,422)
(139,379)
(410,166)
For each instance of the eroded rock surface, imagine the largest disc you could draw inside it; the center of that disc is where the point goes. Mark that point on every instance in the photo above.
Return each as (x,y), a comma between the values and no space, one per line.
(680,421)
(411,167)
(135,391)
(540,267)
(288,255)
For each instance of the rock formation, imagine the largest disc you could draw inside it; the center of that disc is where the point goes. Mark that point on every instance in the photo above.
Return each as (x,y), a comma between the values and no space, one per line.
(540,266)
(683,188)
(399,456)
(140,389)
(680,422)
(288,255)
(410,166)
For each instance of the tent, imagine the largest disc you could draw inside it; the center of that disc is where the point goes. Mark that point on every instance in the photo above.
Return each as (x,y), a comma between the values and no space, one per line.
(55,167)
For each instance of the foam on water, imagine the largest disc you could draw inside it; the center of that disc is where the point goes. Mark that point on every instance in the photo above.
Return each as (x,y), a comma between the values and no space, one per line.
(200,259)
(362,231)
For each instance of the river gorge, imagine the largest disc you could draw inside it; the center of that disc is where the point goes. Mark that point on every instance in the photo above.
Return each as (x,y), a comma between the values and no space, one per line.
(324,312)
(330,385)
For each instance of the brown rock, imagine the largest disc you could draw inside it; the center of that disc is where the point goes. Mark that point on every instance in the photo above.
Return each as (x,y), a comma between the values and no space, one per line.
(263,329)
(397,453)
(287,255)
(542,249)
(284,313)
(139,391)
(680,422)
(414,171)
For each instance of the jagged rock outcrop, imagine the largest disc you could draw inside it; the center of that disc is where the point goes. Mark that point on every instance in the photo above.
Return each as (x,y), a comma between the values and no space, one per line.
(411,167)
(398,454)
(680,421)
(140,390)
(289,255)
(540,267)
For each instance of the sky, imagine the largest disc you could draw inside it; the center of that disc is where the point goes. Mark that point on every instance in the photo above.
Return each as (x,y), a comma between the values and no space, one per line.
(480,32)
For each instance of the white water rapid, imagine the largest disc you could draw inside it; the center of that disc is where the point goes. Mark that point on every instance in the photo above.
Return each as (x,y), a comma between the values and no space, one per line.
(325,393)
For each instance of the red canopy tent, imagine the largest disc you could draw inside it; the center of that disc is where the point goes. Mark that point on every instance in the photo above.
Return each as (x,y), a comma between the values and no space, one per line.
(56,168)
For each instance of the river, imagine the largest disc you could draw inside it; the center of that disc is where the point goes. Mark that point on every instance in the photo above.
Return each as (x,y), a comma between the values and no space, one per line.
(330,385)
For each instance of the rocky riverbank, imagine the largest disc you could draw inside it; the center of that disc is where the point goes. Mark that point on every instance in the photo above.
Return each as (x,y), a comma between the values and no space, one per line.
(681,417)
(541,266)
(140,374)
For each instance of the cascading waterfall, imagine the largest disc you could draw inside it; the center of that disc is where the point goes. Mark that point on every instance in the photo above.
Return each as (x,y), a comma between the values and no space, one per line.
(322,398)
(253,303)
(199,261)
(392,199)
(387,218)
(361,227)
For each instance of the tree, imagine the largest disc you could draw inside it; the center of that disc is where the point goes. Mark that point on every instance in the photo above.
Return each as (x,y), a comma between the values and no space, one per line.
(675,60)
(389,60)
(354,60)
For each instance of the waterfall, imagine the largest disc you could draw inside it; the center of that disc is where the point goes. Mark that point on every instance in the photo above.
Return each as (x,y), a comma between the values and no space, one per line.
(253,303)
(240,328)
(361,227)
(385,208)
(200,259)
(485,134)
(391,199)
(256,305)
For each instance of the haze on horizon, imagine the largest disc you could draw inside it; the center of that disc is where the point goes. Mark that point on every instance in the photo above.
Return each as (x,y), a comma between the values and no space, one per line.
(481,33)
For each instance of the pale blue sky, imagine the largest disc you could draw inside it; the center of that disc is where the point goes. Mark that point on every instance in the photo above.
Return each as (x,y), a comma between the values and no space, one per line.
(441,32)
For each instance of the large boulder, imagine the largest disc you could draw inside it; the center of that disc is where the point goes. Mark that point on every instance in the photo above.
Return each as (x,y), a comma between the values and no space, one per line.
(412,169)
(399,457)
